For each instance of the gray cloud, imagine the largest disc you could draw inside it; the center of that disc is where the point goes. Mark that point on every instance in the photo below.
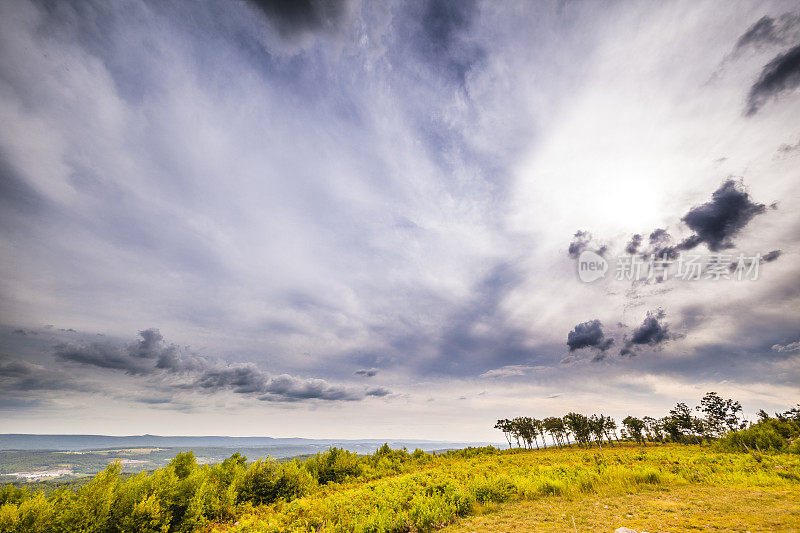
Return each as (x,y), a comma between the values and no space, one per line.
(20,376)
(583,240)
(152,355)
(589,335)
(443,24)
(10,368)
(788,148)
(378,392)
(769,31)
(779,76)
(476,335)
(715,223)
(653,332)
(771,256)
(293,17)
(146,356)
(633,246)
(366,372)
(785,348)
(659,237)
(103,356)
(289,388)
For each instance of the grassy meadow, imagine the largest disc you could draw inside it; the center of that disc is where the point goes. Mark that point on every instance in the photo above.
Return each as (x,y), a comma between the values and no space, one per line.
(658,487)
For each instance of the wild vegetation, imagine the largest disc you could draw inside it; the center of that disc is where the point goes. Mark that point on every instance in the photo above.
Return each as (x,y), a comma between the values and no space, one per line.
(394,490)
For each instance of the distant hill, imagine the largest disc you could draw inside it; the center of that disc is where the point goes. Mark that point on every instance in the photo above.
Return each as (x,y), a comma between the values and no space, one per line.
(19,441)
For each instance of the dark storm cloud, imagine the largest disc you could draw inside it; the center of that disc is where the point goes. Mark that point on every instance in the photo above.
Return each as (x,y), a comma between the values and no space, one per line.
(249,379)
(152,355)
(103,356)
(442,27)
(653,332)
(771,256)
(143,357)
(240,378)
(779,76)
(659,237)
(291,389)
(589,335)
(154,400)
(768,31)
(658,244)
(23,376)
(633,246)
(716,222)
(10,368)
(292,17)
(582,240)
(579,242)
(762,31)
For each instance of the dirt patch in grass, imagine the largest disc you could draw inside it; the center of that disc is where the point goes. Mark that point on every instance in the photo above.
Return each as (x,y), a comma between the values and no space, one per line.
(680,509)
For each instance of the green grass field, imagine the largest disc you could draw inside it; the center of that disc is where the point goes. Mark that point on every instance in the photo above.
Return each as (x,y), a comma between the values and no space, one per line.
(656,488)
(652,488)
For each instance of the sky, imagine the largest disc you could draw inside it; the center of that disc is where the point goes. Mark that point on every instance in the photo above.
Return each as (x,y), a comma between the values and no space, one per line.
(346,219)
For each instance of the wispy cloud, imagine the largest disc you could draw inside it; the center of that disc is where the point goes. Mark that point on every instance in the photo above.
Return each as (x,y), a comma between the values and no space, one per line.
(344,208)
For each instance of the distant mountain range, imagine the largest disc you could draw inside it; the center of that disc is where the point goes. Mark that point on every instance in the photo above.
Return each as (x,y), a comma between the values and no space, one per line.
(18,441)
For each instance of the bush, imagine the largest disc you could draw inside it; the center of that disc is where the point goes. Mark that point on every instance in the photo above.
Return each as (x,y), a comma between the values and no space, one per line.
(267,482)
(334,466)
(769,434)
(486,490)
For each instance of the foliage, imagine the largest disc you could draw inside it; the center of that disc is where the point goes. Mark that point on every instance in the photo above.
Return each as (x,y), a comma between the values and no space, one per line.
(454,485)
(768,434)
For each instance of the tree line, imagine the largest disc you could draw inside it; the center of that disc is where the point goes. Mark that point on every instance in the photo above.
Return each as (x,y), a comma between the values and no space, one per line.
(714,418)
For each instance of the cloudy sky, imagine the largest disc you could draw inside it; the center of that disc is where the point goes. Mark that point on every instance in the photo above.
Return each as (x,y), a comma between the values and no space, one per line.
(343,219)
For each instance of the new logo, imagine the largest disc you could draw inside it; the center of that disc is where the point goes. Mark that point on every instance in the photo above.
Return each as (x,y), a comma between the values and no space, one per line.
(591,266)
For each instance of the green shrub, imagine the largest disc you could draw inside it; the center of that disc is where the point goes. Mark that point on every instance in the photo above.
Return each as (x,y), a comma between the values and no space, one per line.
(265,481)
(769,434)
(486,490)
(334,466)
(146,516)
